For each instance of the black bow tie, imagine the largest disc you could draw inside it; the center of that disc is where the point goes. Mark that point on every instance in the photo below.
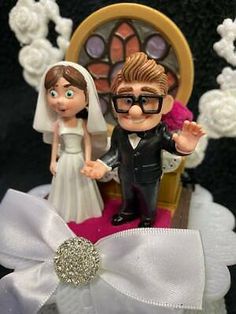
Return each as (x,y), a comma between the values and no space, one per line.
(143,134)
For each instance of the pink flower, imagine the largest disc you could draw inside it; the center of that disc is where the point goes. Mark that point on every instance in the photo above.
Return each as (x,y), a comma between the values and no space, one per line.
(176,117)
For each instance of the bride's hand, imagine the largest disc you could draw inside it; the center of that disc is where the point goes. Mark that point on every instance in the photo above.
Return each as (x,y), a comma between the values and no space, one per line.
(53,168)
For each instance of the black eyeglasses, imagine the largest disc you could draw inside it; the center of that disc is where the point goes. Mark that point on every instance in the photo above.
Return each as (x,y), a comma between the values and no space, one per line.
(151,104)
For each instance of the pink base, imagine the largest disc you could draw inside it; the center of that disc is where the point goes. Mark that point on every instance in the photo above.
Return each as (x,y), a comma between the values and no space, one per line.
(97,228)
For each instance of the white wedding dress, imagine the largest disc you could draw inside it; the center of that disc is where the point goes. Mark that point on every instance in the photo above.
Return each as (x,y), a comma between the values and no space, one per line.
(74,196)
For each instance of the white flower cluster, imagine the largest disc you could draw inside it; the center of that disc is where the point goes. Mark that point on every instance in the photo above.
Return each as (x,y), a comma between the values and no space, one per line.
(218,107)
(218,113)
(225,47)
(227,79)
(29,21)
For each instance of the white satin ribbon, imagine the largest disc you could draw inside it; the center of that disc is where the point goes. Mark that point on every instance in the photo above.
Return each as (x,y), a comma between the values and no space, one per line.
(144,268)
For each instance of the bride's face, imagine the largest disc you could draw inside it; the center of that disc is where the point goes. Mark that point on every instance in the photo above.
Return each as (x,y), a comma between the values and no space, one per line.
(65,99)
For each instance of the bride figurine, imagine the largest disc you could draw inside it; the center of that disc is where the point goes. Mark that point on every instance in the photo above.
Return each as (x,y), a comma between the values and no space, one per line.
(69,116)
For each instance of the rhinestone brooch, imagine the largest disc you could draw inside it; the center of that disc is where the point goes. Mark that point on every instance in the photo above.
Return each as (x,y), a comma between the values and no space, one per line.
(76,261)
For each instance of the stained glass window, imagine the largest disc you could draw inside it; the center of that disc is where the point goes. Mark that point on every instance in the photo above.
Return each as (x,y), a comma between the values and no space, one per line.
(108,46)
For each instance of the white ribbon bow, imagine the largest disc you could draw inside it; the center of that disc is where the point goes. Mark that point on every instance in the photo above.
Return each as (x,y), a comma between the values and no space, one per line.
(141,269)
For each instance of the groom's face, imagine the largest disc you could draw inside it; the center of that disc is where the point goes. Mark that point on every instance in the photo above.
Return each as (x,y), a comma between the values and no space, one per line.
(140,105)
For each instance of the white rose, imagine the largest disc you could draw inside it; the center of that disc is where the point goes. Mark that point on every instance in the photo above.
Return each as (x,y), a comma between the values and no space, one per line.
(36,57)
(196,158)
(63,27)
(28,20)
(225,47)
(218,113)
(227,78)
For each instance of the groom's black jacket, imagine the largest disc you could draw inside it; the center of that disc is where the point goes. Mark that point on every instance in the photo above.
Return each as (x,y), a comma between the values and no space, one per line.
(140,167)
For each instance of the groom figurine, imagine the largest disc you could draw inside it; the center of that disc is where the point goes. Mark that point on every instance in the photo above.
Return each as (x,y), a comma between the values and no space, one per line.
(140,98)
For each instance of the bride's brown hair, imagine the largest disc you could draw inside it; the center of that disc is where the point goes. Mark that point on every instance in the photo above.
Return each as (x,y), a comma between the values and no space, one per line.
(73,76)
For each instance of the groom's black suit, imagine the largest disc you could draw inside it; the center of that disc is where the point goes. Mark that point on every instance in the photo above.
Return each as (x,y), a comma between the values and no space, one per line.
(139,168)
